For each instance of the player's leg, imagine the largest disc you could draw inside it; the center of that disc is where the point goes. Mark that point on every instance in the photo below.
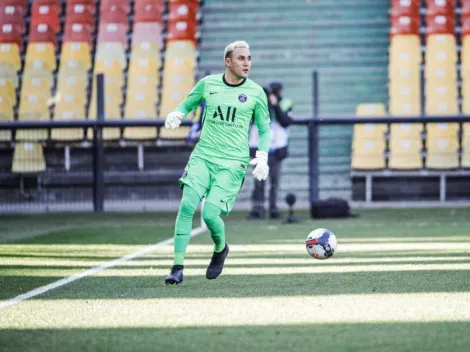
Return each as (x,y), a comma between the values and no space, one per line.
(220,200)
(274,178)
(195,182)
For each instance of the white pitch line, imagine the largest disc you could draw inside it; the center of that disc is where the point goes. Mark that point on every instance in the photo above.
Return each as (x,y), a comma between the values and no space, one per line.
(52,286)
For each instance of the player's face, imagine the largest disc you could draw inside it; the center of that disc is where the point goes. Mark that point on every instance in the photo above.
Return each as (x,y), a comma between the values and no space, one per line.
(239,62)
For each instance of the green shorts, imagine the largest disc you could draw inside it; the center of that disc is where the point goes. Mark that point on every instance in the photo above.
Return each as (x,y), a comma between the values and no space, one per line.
(218,184)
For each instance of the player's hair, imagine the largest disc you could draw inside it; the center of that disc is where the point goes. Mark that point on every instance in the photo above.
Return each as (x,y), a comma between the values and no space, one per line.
(232,46)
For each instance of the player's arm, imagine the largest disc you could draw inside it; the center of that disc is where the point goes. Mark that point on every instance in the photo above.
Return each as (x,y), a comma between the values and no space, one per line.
(262,121)
(190,103)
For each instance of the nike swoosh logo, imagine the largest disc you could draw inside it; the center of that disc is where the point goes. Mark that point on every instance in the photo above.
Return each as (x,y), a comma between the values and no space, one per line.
(213,93)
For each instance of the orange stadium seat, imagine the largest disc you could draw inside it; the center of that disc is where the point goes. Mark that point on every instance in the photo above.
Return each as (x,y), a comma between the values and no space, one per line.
(465,8)
(148,11)
(183,11)
(13,15)
(408,8)
(81,13)
(182,30)
(118,16)
(404,25)
(113,5)
(439,24)
(48,14)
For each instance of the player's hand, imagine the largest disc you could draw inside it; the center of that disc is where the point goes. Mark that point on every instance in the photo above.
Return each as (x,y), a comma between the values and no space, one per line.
(173,120)
(260,162)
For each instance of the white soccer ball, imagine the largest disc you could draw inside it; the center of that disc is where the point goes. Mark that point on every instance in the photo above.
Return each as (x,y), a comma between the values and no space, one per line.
(321,243)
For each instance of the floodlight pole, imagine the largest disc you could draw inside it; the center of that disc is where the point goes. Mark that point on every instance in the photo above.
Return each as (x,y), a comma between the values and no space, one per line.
(98,154)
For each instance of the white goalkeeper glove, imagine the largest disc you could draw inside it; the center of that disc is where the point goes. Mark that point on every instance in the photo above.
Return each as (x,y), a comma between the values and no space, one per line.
(173,120)
(261,170)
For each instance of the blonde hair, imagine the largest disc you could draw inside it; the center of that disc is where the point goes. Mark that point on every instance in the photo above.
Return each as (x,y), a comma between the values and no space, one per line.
(232,46)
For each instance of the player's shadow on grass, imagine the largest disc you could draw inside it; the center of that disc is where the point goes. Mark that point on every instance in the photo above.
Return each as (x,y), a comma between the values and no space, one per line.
(396,337)
(148,287)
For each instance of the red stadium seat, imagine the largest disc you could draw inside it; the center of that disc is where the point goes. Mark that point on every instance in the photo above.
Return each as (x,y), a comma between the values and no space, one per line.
(80,13)
(111,5)
(183,11)
(117,16)
(77,32)
(86,3)
(113,32)
(46,14)
(22,3)
(11,34)
(404,25)
(42,33)
(13,15)
(465,8)
(147,32)
(465,26)
(47,2)
(440,7)
(440,25)
(408,8)
(148,11)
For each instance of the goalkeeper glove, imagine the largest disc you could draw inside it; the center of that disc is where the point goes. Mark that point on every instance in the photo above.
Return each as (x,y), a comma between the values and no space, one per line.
(261,170)
(173,120)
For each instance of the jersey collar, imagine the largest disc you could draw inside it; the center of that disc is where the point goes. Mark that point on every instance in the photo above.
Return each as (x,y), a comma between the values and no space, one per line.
(233,85)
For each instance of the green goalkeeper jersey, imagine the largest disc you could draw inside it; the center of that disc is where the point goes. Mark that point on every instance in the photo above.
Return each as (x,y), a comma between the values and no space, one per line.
(228,114)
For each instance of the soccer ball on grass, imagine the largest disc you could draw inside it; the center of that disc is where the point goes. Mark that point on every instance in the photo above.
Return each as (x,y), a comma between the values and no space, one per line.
(321,243)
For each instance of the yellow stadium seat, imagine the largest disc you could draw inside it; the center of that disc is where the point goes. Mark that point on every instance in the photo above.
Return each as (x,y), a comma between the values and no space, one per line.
(405,94)
(10,54)
(33,108)
(140,106)
(28,158)
(370,109)
(180,57)
(175,88)
(466,145)
(7,90)
(114,52)
(8,72)
(405,154)
(146,50)
(6,114)
(405,44)
(78,52)
(442,107)
(41,73)
(71,86)
(108,67)
(441,47)
(442,153)
(406,130)
(442,74)
(112,112)
(41,55)
(69,110)
(36,86)
(144,66)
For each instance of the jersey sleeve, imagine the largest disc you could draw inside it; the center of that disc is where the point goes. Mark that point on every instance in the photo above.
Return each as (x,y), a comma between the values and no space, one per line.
(193,99)
(262,121)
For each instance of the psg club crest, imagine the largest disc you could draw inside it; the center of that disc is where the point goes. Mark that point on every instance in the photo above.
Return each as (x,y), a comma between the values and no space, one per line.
(242,98)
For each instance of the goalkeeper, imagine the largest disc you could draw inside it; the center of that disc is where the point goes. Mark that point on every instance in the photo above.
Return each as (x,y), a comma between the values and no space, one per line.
(217,166)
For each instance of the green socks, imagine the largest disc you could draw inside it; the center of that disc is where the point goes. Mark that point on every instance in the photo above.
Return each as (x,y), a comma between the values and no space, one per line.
(211,216)
(184,223)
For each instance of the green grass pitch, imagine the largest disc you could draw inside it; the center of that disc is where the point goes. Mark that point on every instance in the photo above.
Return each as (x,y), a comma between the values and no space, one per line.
(400,281)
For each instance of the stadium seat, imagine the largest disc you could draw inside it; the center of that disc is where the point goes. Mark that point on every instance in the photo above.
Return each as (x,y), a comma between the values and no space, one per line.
(110,68)
(141,104)
(41,55)
(148,32)
(442,153)
(441,47)
(81,13)
(465,145)
(186,11)
(146,50)
(112,52)
(113,32)
(30,73)
(440,7)
(79,52)
(10,54)
(7,91)
(68,109)
(439,24)
(33,108)
(180,57)
(405,153)
(13,15)
(72,84)
(368,145)
(404,25)
(6,114)
(28,158)
(409,8)
(8,72)
(148,11)
(143,66)
(11,34)
(114,6)
(42,33)
(46,14)
(78,33)
(182,30)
